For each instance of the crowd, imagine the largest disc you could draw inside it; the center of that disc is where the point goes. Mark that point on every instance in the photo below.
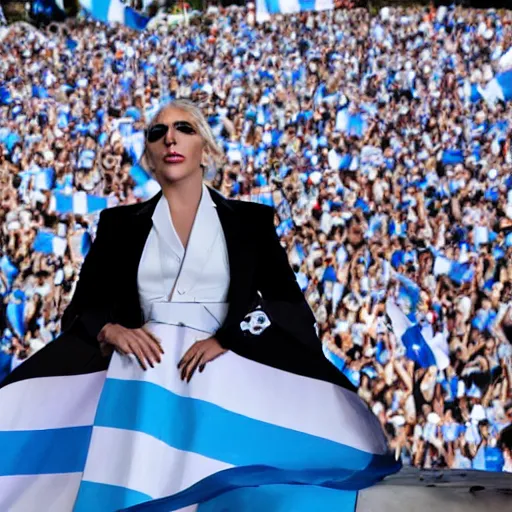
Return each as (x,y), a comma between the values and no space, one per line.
(391,183)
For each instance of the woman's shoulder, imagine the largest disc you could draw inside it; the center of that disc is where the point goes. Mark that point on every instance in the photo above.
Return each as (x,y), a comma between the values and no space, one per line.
(245,209)
(250,208)
(127,210)
(257,215)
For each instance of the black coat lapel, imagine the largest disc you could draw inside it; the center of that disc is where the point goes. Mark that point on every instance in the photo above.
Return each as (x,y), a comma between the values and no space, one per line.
(128,309)
(240,263)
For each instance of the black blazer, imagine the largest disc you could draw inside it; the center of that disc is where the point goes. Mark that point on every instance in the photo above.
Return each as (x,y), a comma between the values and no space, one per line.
(107,288)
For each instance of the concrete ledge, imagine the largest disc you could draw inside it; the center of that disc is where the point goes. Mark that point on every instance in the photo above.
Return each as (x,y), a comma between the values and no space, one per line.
(414,490)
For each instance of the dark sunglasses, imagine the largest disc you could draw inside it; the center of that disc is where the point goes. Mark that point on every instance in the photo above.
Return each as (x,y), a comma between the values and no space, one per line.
(157,131)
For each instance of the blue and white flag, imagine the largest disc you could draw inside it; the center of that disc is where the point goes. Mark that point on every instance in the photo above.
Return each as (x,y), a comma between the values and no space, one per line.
(285,227)
(139,175)
(146,186)
(48,242)
(498,89)
(408,295)
(266,8)
(264,196)
(458,272)
(81,243)
(79,203)
(505,61)
(420,343)
(350,123)
(353,375)
(42,179)
(115,11)
(10,271)
(15,312)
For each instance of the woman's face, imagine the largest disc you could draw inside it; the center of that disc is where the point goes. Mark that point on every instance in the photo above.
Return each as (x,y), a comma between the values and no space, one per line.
(175,149)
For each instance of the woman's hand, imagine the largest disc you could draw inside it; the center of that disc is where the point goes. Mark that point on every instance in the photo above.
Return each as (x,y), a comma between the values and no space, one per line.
(198,355)
(139,342)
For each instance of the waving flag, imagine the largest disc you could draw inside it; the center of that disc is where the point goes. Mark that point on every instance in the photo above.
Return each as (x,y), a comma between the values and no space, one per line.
(5,96)
(499,88)
(452,156)
(79,203)
(264,196)
(265,8)
(81,242)
(48,242)
(458,272)
(353,375)
(71,416)
(505,62)
(408,295)
(351,123)
(115,11)
(420,343)
(15,313)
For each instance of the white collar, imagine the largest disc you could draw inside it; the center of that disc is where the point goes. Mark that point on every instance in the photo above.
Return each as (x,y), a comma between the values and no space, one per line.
(162,220)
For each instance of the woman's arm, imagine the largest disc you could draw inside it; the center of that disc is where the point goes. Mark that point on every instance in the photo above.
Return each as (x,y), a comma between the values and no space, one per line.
(283,299)
(91,304)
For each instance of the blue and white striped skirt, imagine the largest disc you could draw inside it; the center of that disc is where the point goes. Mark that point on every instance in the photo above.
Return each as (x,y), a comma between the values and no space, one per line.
(240,436)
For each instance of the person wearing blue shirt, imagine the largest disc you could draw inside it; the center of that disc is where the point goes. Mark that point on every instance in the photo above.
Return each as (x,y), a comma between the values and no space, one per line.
(487,456)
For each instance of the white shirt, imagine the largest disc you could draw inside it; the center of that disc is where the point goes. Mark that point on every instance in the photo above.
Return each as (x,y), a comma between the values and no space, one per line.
(168,273)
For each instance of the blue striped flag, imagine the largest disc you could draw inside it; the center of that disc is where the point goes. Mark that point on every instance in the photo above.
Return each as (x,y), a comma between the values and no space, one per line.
(79,203)
(285,227)
(420,343)
(499,88)
(236,446)
(115,11)
(48,242)
(264,196)
(265,8)
(458,272)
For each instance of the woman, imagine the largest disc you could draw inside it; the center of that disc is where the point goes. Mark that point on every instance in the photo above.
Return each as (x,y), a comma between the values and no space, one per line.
(216,366)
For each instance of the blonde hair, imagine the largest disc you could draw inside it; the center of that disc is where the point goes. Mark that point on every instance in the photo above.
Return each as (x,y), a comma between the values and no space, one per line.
(214,151)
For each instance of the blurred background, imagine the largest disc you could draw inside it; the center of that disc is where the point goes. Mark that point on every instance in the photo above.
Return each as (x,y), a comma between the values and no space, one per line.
(380,132)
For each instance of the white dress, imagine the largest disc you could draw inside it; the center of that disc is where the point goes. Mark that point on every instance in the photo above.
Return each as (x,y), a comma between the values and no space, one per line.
(163,435)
